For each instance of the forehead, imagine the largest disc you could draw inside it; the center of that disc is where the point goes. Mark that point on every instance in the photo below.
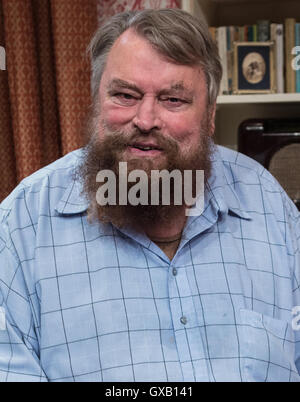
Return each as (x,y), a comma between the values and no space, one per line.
(133,59)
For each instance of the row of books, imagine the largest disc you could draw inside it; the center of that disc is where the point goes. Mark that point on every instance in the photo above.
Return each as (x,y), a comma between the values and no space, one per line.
(286,37)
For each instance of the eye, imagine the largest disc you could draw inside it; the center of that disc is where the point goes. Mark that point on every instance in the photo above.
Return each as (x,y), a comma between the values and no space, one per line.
(124,98)
(173,102)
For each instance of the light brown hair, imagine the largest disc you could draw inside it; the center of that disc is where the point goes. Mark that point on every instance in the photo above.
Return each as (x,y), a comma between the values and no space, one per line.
(174,33)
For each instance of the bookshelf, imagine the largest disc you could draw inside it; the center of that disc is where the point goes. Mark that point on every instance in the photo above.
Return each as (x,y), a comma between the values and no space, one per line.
(233,109)
(248,99)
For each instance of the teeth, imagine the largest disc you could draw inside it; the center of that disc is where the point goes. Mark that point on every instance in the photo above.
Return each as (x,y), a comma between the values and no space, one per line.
(145,148)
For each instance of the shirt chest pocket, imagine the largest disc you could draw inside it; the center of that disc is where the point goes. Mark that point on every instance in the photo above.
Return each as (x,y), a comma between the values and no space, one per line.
(267,348)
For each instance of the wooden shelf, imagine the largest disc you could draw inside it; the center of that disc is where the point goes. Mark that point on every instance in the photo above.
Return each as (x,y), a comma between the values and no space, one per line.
(258,98)
(242,12)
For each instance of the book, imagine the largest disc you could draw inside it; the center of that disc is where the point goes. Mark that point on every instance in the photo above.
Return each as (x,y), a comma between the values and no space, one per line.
(286,38)
(246,33)
(297,54)
(212,31)
(231,37)
(276,35)
(250,33)
(241,34)
(255,33)
(290,73)
(222,46)
(236,34)
(263,30)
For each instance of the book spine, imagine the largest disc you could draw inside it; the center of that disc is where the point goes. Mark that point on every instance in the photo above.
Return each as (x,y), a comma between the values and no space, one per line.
(297,44)
(245,33)
(250,33)
(212,31)
(241,34)
(279,43)
(273,28)
(263,30)
(290,73)
(222,46)
(255,33)
(231,32)
(236,34)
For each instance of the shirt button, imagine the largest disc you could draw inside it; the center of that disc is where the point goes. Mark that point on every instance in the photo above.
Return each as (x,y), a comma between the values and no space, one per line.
(174,271)
(183,320)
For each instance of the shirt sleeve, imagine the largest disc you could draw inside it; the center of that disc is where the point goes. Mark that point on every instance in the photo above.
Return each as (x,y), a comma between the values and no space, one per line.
(19,346)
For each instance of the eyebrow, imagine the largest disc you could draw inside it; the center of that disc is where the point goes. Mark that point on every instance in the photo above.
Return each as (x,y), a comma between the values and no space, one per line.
(117,82)
(177,87)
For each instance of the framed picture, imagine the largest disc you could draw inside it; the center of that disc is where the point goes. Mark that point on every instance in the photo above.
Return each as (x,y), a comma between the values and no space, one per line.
(254,68)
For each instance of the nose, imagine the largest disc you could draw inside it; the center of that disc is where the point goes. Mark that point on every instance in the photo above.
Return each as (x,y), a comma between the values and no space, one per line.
(146,117)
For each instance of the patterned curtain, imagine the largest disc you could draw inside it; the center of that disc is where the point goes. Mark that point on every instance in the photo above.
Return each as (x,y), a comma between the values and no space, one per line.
(107,8)
(45,89)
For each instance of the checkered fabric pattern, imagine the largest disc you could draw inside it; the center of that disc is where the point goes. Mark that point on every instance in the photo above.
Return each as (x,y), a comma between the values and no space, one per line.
(90,302)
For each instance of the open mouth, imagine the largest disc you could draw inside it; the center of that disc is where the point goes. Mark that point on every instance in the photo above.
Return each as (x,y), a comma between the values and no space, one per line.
(136,147)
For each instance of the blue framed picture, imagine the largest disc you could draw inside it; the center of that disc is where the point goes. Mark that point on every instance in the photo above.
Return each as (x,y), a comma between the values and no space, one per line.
(254,68)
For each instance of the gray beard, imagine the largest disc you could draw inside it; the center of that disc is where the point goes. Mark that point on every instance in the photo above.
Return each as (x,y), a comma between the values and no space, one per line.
(107,153)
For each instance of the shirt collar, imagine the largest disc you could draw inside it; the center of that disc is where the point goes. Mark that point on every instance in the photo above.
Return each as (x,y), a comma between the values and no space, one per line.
(73,201)
(219,192)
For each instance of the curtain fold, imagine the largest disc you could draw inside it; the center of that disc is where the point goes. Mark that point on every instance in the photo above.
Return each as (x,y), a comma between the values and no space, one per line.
(45,91)
(23,82)
(7,155)
(74,21)
(49,110)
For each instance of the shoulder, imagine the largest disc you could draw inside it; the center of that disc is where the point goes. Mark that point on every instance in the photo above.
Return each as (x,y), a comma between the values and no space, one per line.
(27,195)
(256,187)
(241,163)
(241,166)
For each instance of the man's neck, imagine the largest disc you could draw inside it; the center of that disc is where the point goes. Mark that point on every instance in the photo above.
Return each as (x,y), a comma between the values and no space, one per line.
(166,230)
(167,236)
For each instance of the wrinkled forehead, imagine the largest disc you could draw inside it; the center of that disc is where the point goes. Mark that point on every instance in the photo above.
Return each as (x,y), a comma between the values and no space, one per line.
(134,62)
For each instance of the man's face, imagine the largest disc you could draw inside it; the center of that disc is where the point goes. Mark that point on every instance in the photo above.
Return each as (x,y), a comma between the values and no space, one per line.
(141,90)
(152,114)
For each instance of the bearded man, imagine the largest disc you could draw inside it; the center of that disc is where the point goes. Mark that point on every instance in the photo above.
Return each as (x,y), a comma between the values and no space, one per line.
(94,291)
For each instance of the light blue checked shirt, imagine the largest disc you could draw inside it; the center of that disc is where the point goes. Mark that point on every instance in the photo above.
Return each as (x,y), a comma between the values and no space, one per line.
(89,302)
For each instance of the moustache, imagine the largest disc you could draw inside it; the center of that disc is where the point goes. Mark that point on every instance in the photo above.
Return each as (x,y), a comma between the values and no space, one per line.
(119,140)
